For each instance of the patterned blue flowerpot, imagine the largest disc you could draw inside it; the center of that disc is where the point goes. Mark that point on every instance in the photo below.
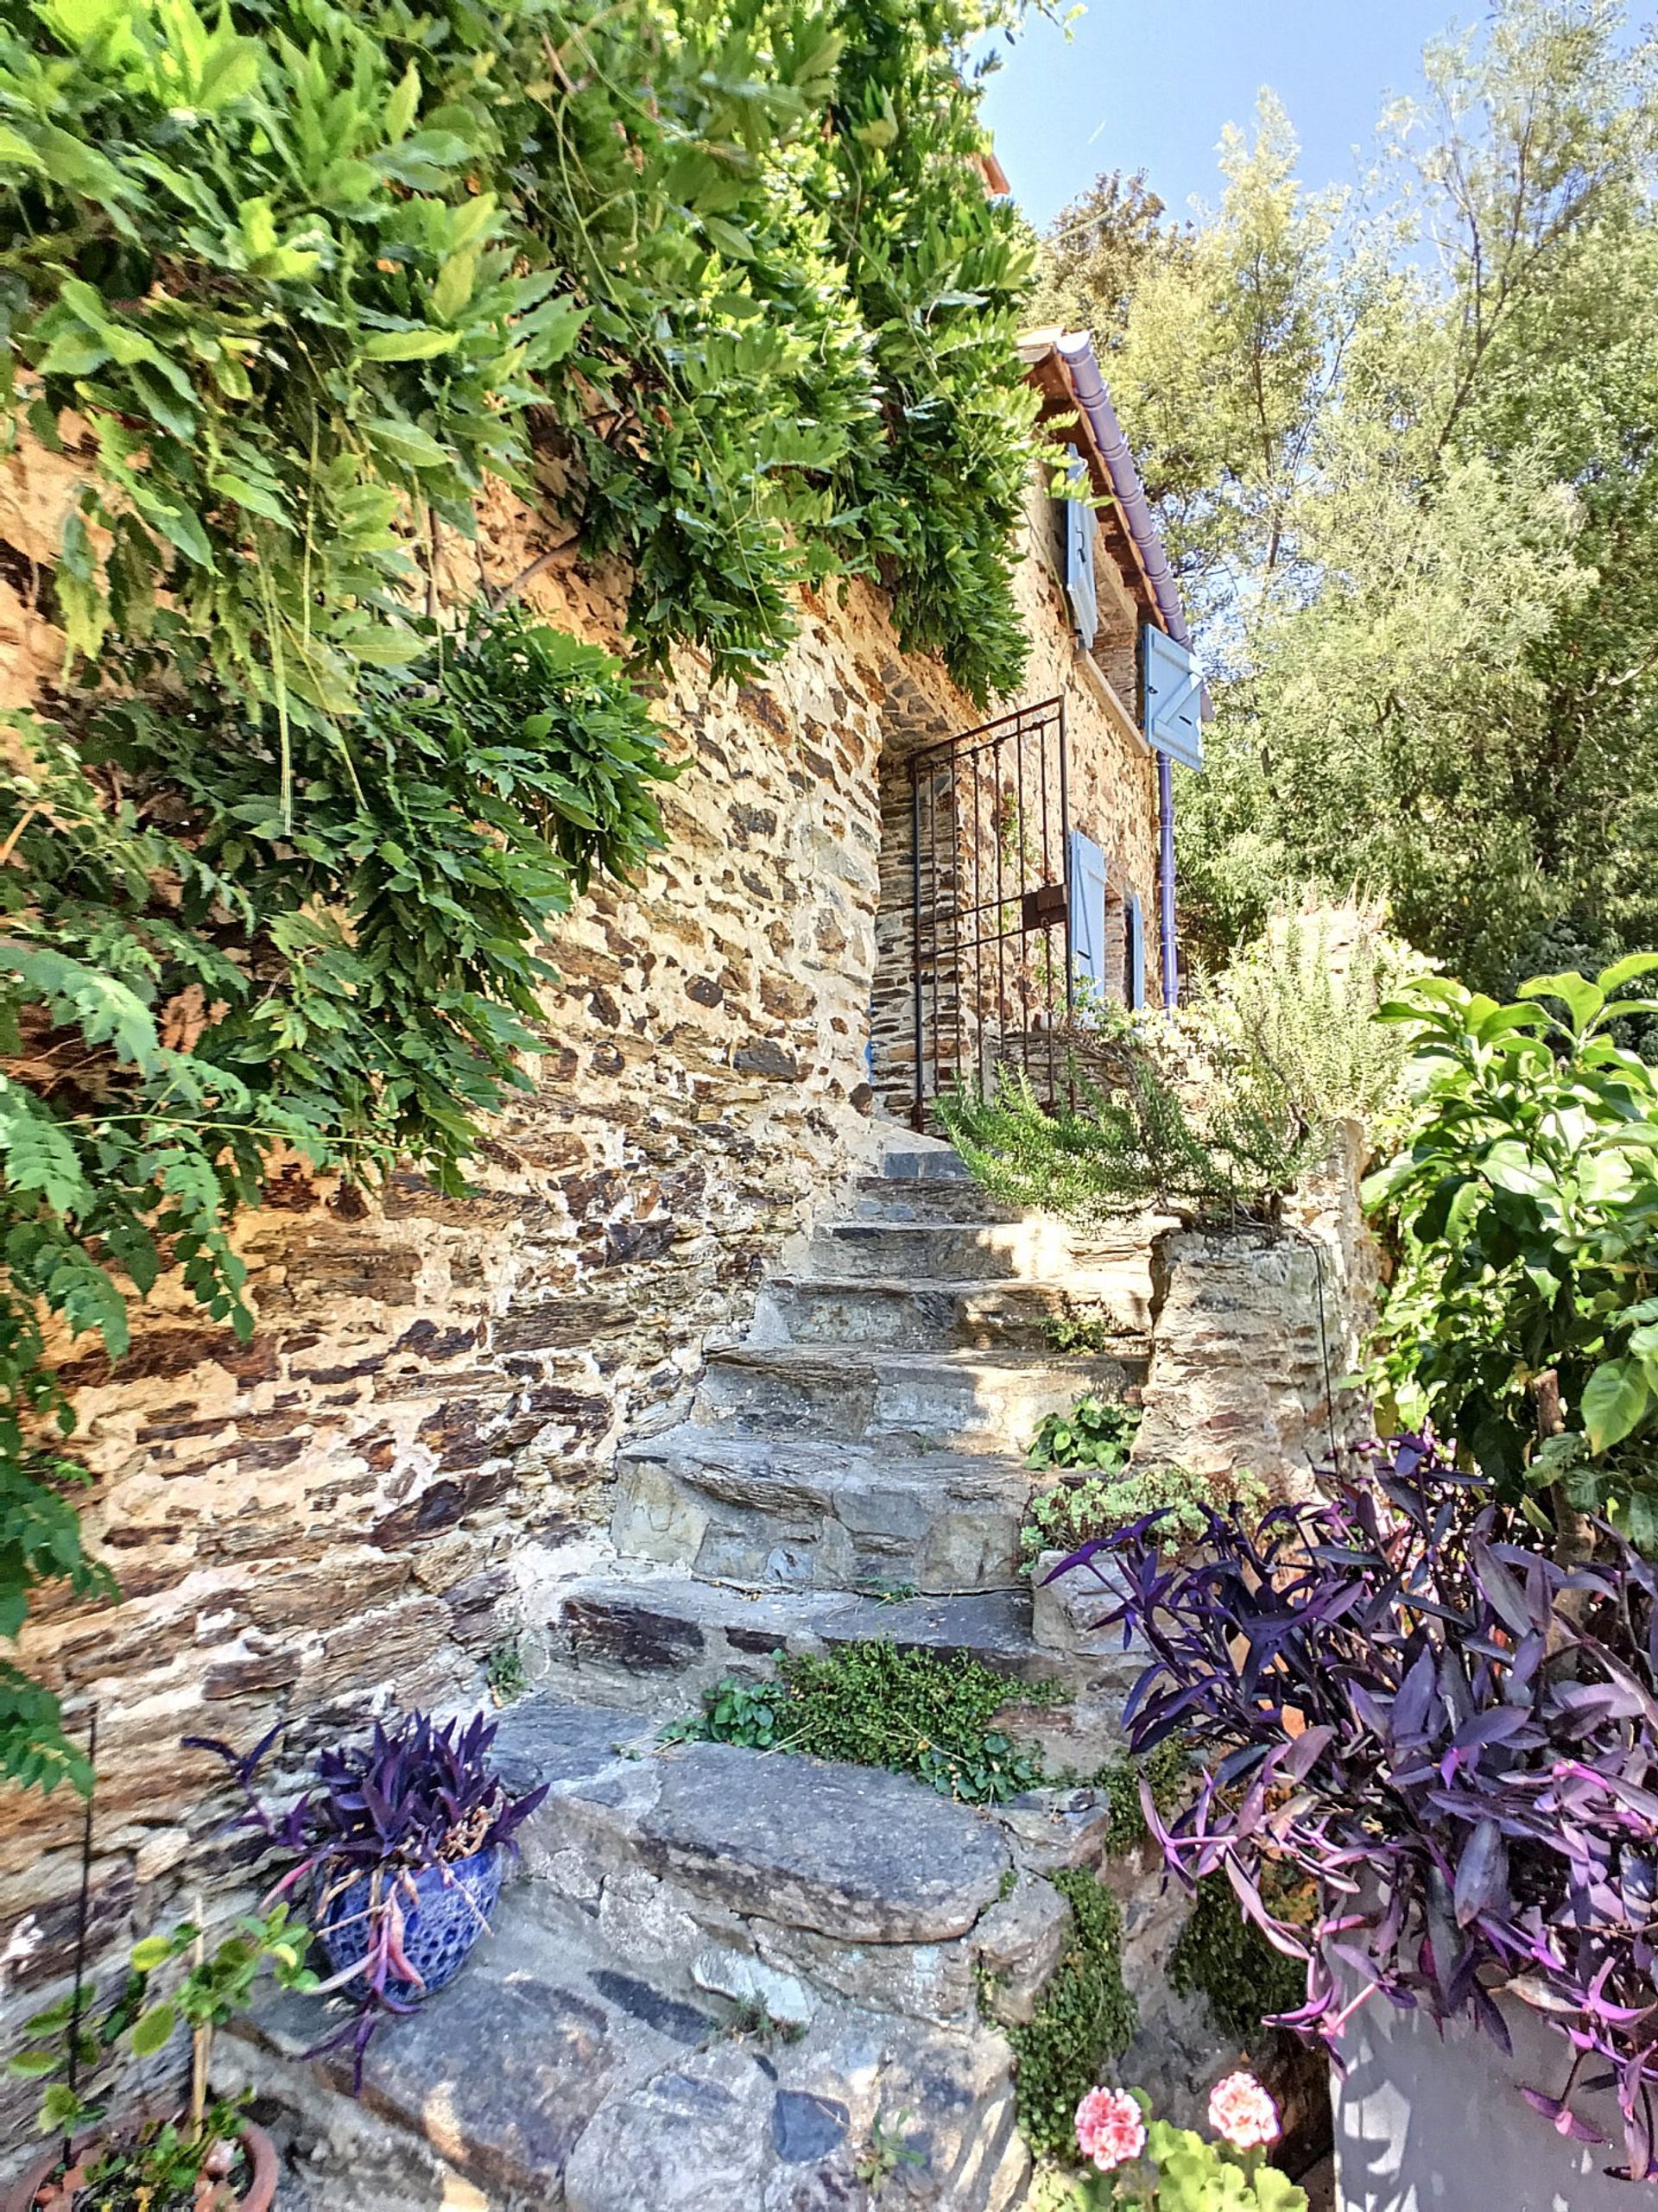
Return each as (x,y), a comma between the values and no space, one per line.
(445,1915)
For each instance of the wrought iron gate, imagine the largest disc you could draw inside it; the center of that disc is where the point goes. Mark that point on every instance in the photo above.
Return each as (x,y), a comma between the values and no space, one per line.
(991,922)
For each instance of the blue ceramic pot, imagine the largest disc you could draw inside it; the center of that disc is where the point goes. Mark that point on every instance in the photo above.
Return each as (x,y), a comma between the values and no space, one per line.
(448,1911)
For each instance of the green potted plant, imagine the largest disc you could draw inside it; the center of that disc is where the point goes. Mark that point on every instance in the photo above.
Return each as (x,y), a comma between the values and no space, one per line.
(167,2157)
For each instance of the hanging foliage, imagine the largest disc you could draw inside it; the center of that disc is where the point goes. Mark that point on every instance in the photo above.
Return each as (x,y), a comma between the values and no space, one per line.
(286,289)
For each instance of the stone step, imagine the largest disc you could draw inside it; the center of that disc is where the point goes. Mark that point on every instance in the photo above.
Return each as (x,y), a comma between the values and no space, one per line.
(966,1401)
(923,1159)
(549,2075)
(853,1854)
(1031,1249)
(918,1316)
(650,1641)
(887,1197)
(799,1514)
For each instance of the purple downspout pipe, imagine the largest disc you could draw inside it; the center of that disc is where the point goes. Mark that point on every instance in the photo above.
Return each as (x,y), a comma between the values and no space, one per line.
(1077,351)
(1166,878)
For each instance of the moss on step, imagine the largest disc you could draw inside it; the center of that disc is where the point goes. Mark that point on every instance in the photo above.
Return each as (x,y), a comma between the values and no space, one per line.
(1086,2018)
(1222,1958)
(1166,1772)
(883,1705)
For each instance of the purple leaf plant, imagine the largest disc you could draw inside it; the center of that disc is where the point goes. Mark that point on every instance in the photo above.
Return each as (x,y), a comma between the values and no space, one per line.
(1454,1736)
(415,1796)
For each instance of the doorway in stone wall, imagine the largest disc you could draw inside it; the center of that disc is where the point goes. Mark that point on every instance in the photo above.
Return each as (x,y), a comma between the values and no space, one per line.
(973,965)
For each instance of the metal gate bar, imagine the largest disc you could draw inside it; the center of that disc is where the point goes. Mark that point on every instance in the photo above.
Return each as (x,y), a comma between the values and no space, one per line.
(990,893)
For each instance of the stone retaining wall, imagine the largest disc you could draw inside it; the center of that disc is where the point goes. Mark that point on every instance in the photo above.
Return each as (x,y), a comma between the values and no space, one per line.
(1254,1332)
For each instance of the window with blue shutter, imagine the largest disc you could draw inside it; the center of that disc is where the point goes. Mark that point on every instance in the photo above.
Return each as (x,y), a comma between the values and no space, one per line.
(1087,917)
(1174,697)
(1080,553)
(1134,951)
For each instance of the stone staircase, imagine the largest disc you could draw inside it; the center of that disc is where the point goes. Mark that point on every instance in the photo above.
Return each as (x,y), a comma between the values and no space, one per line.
(746,1981)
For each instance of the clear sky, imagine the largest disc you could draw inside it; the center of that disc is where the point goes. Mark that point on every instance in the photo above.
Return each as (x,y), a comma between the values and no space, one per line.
(1149,84)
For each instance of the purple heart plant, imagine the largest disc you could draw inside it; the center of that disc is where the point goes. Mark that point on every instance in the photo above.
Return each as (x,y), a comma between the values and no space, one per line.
(416,1799)
(1455,1737)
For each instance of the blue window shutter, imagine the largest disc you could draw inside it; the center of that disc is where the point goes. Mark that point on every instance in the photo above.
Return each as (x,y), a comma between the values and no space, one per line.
(1174,700)
(1087,910)
(1134,921)
(1080,553)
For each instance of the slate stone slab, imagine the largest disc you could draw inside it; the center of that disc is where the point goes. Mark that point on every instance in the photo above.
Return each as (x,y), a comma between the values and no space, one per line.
(500,2076)
(694,2139)
(682,2023)
(805,2128)
(850,1852)
(543,1740)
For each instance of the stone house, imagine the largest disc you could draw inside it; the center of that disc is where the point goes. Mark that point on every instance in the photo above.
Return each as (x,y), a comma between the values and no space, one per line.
(353,1510)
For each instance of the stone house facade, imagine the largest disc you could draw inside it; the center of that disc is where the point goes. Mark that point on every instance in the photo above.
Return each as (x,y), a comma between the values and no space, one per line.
(350,1512)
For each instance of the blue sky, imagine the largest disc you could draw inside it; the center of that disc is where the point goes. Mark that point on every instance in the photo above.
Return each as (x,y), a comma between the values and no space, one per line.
(1149,84)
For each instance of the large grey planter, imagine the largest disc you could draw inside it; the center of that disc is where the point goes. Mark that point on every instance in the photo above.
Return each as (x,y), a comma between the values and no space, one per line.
(1431,2121)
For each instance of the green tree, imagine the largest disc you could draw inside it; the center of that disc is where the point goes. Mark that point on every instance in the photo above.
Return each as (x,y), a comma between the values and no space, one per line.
(1403,452)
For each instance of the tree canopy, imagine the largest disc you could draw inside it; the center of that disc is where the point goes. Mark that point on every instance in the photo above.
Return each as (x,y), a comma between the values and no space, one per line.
(1400,441)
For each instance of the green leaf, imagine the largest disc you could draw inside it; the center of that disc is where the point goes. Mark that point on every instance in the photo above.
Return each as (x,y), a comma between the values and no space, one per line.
(38,1154)
(1583,999)
(421,344)
(231,73)
(404,101)
(1615,1400)
(153,2029)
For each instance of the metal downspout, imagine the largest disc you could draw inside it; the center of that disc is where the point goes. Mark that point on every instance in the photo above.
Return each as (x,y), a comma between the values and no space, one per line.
(1171,962)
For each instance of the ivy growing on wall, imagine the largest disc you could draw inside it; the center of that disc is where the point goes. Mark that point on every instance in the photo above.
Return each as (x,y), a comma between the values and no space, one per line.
(719,281)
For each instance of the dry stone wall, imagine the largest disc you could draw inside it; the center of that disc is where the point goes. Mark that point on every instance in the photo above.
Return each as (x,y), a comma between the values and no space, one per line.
(344,1514)
(1254,1332)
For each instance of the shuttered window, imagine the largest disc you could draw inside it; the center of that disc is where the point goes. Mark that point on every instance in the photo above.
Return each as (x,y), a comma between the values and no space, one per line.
(1174,698)
(1088,914)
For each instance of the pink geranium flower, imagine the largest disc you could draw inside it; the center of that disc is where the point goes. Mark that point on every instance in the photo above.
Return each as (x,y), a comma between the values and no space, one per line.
(1110,2128)
(1242,2113)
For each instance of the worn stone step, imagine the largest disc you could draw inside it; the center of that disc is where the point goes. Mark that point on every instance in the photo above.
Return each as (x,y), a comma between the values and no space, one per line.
(888,1197)
(852,1854)
(918,1316)
(652,1641)
(1032,1249)
(547,2075)
(923,1159)
(800,1513)
(964,1400)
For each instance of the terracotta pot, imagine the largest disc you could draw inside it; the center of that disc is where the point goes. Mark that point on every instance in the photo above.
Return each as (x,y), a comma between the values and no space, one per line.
(262,2157)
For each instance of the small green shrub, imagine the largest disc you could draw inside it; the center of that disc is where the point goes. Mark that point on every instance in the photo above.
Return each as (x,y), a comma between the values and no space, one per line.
(1148,1133)
(1222,1958)
(1076,1511)
(1082,1329)
(877,1704)
(1296,1008)
(1096,1432)
(1167,1772)
(1524,1207)
(1086,2018)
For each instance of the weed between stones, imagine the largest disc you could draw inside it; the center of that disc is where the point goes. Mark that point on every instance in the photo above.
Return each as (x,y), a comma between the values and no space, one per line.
(1168,1771)
(877,1704)
(1222,1958)
(1086,2018)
